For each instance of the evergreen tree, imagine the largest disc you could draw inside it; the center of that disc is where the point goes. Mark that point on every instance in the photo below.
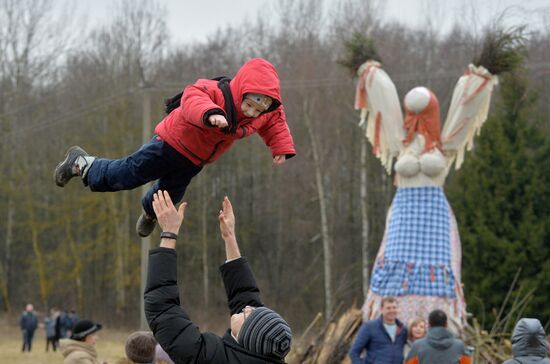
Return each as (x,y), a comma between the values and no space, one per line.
(501,198)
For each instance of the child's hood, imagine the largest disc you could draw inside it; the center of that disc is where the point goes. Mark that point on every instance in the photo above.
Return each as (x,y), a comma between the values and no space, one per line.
(256,76)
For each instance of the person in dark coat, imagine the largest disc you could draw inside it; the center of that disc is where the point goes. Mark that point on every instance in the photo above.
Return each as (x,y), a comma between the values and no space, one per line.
(204,122)
(49,328)
(72,319)
(257,334)
(440,345)
(529,345)
(28,323)
(383,339)
(58,324)
(65,324)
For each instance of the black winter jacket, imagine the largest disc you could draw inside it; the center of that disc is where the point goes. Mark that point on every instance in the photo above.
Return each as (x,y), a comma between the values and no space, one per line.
(173,328)
(28,321)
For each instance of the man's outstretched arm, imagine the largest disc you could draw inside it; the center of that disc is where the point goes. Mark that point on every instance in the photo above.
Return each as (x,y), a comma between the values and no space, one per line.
(238,279)
(171,325)
(227,230)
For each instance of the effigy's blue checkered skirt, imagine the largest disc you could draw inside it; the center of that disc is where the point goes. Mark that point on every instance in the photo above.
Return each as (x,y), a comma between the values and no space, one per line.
(417,255)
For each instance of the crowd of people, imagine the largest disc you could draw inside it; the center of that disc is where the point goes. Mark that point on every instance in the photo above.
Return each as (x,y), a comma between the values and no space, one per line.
(76,339)
(387,340)
(57,325)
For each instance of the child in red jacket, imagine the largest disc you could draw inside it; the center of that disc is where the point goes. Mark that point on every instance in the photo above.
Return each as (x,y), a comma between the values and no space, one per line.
(211,116)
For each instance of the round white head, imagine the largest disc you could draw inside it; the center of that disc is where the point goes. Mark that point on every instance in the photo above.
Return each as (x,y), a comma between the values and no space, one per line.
(417,99)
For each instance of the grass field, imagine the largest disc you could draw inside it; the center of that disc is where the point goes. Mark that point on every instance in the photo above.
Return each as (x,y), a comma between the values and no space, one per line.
(110,347)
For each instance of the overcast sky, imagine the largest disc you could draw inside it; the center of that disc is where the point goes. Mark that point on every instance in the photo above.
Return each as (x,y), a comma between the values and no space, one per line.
(194,20)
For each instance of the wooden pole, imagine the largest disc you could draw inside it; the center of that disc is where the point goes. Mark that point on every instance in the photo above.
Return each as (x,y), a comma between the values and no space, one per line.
(145,242)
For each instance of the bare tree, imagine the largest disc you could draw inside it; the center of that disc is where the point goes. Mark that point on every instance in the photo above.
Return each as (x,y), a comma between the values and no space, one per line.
(139,35)
(321,194)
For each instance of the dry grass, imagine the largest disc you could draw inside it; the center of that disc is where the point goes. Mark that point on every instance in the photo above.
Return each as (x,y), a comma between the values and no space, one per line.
(110,347)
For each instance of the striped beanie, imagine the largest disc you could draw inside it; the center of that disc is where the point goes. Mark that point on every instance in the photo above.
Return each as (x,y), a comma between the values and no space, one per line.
(265,332)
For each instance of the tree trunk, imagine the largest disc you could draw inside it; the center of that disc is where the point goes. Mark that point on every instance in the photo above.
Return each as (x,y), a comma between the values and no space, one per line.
(119,241)
(145,242)
(204,238)
(77,268)
(364,218)
(5,269)
(4,289)
(326,238)
(40,264)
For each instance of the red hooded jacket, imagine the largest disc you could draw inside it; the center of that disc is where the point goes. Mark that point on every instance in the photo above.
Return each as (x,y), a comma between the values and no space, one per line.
(188,131)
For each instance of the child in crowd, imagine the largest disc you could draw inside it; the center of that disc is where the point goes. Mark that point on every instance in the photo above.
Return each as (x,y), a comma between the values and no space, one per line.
(416,330)
(199,128)
(139,348)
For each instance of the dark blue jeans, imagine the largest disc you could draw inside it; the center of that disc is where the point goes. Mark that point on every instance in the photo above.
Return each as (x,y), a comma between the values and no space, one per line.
(27,340)
(155,160)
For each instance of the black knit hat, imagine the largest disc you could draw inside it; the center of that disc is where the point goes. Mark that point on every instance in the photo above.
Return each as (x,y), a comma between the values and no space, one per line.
(84,328)
(266,332)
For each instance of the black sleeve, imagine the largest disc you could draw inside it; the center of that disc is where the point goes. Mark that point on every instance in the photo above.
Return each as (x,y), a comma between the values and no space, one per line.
(240,285)
(171,325)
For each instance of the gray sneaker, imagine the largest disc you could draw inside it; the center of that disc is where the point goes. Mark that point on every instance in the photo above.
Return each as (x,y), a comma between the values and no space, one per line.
(145,225)
(69,167)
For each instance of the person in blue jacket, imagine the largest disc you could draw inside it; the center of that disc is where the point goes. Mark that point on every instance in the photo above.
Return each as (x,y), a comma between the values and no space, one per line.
(28,323)
(383,339)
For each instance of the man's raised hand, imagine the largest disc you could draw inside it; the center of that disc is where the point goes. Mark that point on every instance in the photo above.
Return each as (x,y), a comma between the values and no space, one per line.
(227,230)
(168,217)
(227,220)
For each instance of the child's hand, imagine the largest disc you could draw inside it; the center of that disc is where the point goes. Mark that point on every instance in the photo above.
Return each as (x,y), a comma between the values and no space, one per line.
(279,159)
(218,120)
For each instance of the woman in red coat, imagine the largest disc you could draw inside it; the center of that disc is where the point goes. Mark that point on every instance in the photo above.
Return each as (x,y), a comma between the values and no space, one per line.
(210,116)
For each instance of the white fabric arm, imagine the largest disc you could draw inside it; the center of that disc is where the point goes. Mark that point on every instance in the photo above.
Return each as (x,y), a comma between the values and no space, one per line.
(468,111)
(381,113)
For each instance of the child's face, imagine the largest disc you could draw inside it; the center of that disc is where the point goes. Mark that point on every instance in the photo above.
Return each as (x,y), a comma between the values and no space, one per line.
(250,109)
(419,330)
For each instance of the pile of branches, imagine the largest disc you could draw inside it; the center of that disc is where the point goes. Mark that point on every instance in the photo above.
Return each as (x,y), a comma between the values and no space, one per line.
(331,344)
(494,346)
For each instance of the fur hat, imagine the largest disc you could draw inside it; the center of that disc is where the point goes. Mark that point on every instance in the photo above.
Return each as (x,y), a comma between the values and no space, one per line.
(84,328)
(261,101)
(265,332)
